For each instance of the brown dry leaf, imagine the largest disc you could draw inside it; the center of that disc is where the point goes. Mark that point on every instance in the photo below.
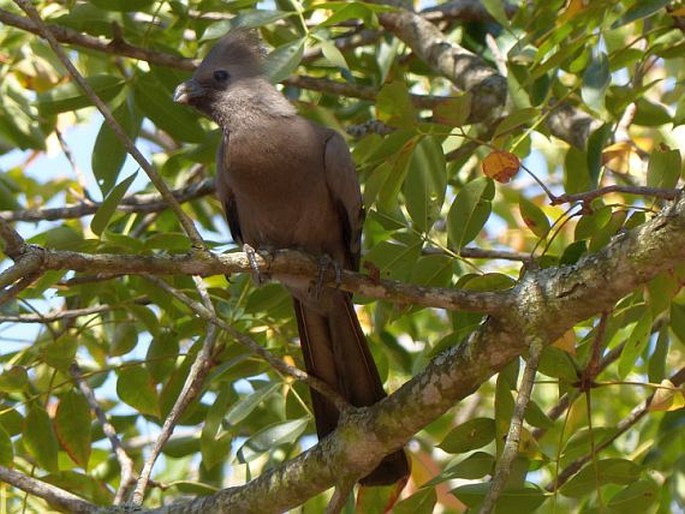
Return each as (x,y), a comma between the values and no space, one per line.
(667,397)
(501,166)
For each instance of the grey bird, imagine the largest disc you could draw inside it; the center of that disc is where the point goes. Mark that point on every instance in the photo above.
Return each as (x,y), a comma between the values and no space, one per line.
(286,182)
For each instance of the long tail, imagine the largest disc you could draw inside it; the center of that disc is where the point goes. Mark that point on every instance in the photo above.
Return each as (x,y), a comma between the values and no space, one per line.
(335,350)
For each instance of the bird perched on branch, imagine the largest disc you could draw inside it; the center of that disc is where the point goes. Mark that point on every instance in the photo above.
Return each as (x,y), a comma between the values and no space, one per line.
(286,182)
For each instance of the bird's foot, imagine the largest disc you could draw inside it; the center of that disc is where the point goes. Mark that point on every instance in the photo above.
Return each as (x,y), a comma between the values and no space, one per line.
(259,278)
(326,262)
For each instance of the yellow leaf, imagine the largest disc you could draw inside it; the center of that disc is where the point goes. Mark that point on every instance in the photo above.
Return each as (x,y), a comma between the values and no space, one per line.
(667,397)
(620,157)
(567,342)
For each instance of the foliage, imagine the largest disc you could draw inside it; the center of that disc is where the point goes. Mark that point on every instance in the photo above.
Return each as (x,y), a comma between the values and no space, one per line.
(595,103)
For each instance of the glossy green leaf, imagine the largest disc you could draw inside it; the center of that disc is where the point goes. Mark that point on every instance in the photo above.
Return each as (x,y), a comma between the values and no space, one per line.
(469,212)
(421,502)
(39,437)
(393,105)
(639,10)
(596,80)
(136,388)
(636,497)
(246,405)
(284,60)
(154,101)
(6,449)
(72,426)
(14,379)
(533,217)
(106,210)
(453,111)
(425,183)
(650,114)
(123,5)
(516,119)
(525,499)
(605,471)
(635,345)
(476,465)
(496,9)
(664,169)
(70,97)
(472,434)
(270,438)
(109,153)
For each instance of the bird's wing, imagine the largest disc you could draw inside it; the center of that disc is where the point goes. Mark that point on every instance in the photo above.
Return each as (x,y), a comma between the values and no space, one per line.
(341,178)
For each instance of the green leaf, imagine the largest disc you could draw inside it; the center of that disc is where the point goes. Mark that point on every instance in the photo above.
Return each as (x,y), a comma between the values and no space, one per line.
(425,183)
(595,146)
(639,10)
(284,60)
(394,106)
(109,153)
(69,97)
(636,497)
(650,114)
(596,80)
(522,499)
(72,426)
(123,5)
(421,502)
(533,217)
(476,465)
(343,11)
(515,120)
(60,353)
(214,449)
(124,339)
(332,54)
(161,356)
(104,214)
(475,433)
(14,380)
(270,438)
(664,169)
(453,111)
(136,388)
(556,363)
(576,171)
(246,405)
(6,449)
(247,19)
(635,345)
(39,437)
(154,100)
(469,211)
(607,471)
(496,9)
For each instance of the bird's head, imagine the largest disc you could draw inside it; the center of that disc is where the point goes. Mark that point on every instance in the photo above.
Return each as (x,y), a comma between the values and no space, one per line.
(227,68)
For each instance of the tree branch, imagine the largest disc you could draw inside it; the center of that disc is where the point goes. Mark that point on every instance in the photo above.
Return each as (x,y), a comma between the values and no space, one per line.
(50,493)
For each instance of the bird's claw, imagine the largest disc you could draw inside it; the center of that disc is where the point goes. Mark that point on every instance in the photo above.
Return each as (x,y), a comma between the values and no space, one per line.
(251,254)
(326,262)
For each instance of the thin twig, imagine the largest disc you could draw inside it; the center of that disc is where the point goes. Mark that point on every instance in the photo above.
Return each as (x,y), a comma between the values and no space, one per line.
(14,243)
(138,203)
(511,445)
(626,423)
(155,178)
(190,391)
(125,462)
(276,363)
(666,194)
(50,493)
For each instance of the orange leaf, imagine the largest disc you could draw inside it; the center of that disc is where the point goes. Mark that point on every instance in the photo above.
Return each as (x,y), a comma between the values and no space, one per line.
(617,157)
(501,166)
(567,342)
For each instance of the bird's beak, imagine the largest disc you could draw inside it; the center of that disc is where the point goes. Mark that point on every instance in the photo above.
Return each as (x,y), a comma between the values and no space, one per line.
(188,90)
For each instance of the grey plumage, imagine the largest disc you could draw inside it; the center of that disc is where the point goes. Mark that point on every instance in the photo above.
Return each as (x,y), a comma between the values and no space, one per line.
(286,182)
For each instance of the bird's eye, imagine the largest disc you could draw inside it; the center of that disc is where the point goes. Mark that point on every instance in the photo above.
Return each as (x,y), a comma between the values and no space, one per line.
(221,75)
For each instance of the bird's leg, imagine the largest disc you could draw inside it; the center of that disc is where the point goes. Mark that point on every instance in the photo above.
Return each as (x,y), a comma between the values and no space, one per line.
(251,254)
(326,262)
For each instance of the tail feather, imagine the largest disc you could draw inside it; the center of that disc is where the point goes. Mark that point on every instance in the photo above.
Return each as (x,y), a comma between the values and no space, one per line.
(335,350)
